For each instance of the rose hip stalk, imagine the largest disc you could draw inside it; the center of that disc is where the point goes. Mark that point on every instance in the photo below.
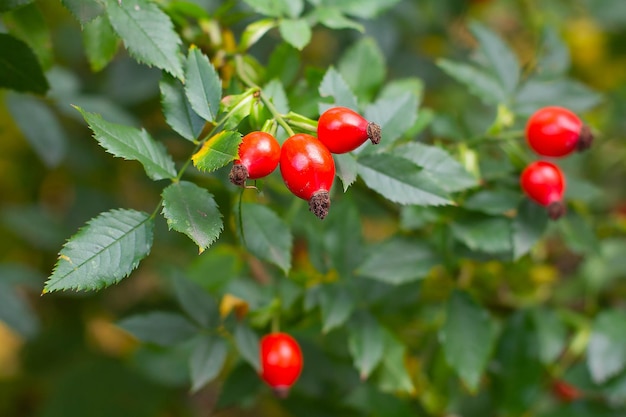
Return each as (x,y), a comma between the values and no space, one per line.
(555,131)
(308,171)
(544,183)
(259,153)
(281,362)
(343,130)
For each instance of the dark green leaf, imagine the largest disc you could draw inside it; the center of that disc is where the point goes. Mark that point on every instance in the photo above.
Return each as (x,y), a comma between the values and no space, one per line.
(484,234)
(16,313)
(35,224)
(218,151)
(148,34)
(365,9)
(196,302)
(277,8)
(528,227)
(84,10)
(399,180)
(247,343)
(275,93)
(6,5)
(479,83)
(394,115)
(393,376)
(363,67)
(606,354)
(284,64)
(468,338)
(399,261)
(159,328)
(336,305)
(347,168)
(295,32)
(19,68)
(494,202)
(101,42)
(266,235)
(535,94)
(333,85)
(28,24)
(554,59)
(342,238)
(578,233)
(551,334)
(40,126)
(366,344)
(103,252)
(177,109)
(202,86)
(191,210)
(20,274)
(206,360)
(334,19)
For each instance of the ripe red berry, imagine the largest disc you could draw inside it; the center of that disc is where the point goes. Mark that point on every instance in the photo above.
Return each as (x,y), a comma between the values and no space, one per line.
(281,362)
(565,391)
(308,170)
(544,183)
(259,153)
(555,131)
(343,130)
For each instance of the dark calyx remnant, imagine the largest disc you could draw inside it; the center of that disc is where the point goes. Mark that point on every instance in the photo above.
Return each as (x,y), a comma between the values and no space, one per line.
(238,175)
(320,203)
(585,138)
(556,210)
(373,133)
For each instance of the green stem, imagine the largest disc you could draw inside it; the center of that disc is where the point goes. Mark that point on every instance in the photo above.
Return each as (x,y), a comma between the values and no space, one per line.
(505,136)
(240,218)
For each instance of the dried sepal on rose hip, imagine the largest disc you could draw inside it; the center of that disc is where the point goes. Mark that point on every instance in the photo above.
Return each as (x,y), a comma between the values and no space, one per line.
(258,156)
(556,131)
(343,130)
(544,183)
(281,362)
(308,170)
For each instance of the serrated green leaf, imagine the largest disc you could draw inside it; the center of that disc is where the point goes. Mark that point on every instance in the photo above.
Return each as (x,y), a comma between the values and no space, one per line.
(363,67)
(28,24)
(255,31)
(399,180)
(528,227)
(398,261)
(535,94)
(159,327)
(479,83)
(40,127)
(334,19)
(103,252)
(131,144)
(207,360)
(500,58)
(295,32)
(16,313)
(177,110)
(277,8)
(551,334)
(218,151)
(333,85)
(84,10)
(192,210)
(366,344)
(148,34)
(266,235)
(438,165)
(203,85)
(606,354)
(468,338)
(394,115)
(6,5)
(247,343)
(494,202)
(196,301)
(483,233)
(101,42)
(347,168)
(19,68)
(336,305)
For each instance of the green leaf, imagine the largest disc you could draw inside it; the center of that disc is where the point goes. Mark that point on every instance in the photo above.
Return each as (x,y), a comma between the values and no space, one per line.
(275,92)
(277,8)
(295,32)
(159,327)
(177,110)
(191,210)
(40,127)
(528,227)
(196,302)
(606,354)
(535,94)
(438,166)
(266,235)
(365,9)
(394,115)
(148,34)
(218,151)
(578,233)
(468,338)
(334,19)
(84,10)
(393,376)
(554,59)
(483,233)
(284,64)
(101,42)
(551,334)
(28,24)
(19,68)
(333,85)
(398,261)
(247,343)
(479,83)
(255,31)
(494,202)
(336,306)
(202,86)
(342,237)
(499,58)
(366,344)
(13,273)
(347,168)
(16,313)
(6,5)
(35,224)
(103,252)
(363,67)
(399,180)
(207,360)
(131,144)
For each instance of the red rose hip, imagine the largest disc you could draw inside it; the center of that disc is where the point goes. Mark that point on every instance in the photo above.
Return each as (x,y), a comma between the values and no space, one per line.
(308,170)
(342,130)
(544,183)
(556,131)
(258,156)
(281,362)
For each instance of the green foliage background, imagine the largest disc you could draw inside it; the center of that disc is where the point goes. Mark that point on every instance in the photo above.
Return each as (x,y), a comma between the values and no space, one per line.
(433,288)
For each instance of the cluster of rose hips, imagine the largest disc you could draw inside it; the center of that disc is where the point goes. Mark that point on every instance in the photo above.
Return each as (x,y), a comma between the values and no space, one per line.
(306,163)
(553,132)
